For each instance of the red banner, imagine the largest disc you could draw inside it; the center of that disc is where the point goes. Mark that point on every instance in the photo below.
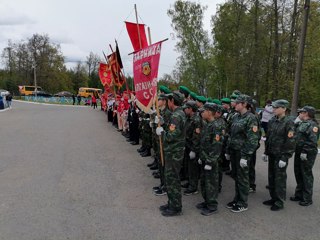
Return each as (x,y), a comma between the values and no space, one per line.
(132,29)
(118,78)
(145,70)
(105,74)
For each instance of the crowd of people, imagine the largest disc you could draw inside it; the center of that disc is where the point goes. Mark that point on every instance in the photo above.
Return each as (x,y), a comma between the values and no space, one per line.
(195,139)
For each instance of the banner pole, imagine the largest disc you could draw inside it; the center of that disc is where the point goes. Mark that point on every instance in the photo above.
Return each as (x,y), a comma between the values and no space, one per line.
(135,9)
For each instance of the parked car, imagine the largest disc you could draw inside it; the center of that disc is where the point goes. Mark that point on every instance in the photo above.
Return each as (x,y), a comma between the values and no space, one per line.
(41,94)
(63,94)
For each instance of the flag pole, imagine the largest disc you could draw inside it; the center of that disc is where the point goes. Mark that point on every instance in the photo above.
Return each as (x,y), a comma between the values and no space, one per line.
(135,9)
(157,109)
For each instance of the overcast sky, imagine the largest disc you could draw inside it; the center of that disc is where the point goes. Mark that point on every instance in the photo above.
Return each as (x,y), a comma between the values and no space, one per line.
(82,26)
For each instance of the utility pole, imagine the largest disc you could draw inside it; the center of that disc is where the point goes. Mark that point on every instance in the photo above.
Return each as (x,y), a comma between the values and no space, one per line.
(297,77)
(35,79)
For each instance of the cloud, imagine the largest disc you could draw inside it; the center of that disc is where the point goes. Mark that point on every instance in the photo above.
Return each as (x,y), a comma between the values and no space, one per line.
(6,20)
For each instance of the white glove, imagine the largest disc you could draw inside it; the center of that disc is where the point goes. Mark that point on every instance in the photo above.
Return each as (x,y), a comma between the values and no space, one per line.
(199,161)
(159,131)
(137,110)
(151,124)
(192,155)
(227,156)
(243,163)
(156,120)
(303,157)
(264,157)
(140,119)
(207,167)
(282,164)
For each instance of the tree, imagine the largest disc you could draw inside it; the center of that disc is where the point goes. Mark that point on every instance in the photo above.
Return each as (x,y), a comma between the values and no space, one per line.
(194,45)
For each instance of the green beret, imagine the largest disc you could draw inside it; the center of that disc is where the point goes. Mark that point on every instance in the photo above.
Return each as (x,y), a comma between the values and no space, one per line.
(236,92)
(190,104)
(164,89)
(184,90)
(193,95)
(201,99)
(280,103)
(233,97)
(216,101)
(226,100)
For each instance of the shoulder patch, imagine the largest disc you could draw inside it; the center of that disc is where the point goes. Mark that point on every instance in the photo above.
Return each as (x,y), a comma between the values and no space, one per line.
(315,129)
(217,137)
(172,127)
(255,128)
(290,134)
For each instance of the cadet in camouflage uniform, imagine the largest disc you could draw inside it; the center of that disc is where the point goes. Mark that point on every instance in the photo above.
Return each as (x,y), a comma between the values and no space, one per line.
(280,145)
(242,143)
(232,112)
(221,122)
(307,135)
(174,145)
(210,150)
(164,120)
(146,134)
(193,129)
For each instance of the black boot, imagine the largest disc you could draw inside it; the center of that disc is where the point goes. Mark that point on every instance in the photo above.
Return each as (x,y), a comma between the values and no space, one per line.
(142,149)
(146,153)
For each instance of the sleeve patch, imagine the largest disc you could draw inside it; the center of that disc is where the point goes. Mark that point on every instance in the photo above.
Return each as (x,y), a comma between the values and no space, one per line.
(315,129)
(172,127)
(217,137)
(290,134)
(255,128)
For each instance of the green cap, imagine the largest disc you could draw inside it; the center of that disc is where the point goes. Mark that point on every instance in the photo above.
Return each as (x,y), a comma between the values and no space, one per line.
(190,104)
(243,99)
(164,89)
(280,103)
(184,90)
(176,96)
(309,109)
(201,99)
(162,97)
(226,100)
(210,106)
(193,95)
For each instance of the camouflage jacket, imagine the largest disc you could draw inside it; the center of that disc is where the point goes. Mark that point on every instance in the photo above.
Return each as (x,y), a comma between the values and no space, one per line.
(166,115)
(174,139)
(307,134)
(193,130)
(244,134)
(211,142)
(281,137)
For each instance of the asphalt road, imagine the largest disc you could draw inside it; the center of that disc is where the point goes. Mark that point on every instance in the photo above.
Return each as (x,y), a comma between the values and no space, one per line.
(66,173)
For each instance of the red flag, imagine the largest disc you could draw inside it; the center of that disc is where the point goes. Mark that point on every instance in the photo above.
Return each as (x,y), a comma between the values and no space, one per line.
(145,70)
(132,29)
(105,74)
(117,77)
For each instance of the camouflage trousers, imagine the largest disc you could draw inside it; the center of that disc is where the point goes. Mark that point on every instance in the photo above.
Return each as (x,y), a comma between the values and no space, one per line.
(172,179)
(193,172)
(277,178)
(241,178)
(146,136)
(304,176)
(209,182)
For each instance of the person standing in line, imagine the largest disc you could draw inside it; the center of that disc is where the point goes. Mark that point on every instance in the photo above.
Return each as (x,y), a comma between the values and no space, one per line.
(193,129)
(210,150)
(79,99)
(242,143)
(9,100)
(174,145)
(280,145)
(267,114)
(307,135)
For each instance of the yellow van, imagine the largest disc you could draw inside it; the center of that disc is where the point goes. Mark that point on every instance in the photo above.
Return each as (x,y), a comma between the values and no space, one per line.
(28,90)
(86,92)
